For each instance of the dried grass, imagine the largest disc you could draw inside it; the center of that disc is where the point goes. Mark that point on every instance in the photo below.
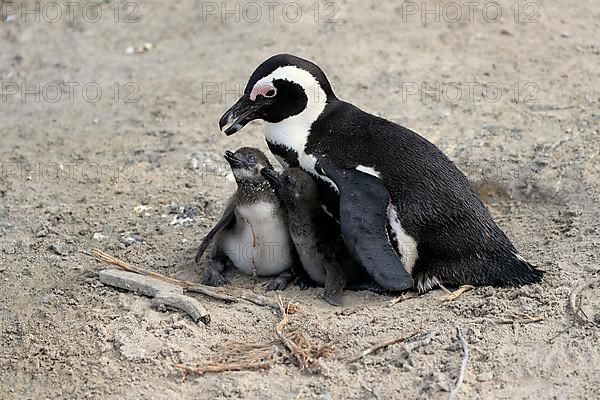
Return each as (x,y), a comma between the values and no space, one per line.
(237,356)
(307,354)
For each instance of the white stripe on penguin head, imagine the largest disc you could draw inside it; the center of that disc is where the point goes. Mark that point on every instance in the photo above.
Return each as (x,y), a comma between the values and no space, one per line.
(293,131)
(316,97)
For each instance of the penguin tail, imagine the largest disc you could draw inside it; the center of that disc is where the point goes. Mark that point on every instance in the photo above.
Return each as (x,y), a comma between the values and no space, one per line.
(500,269)
(520,272)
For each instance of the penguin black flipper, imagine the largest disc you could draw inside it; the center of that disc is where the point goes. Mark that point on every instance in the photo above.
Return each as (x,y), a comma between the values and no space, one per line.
(363,219)
(227,219)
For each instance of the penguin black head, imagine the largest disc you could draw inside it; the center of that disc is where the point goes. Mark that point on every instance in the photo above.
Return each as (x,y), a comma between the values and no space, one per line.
(293,187)
(246,164)
(281,87)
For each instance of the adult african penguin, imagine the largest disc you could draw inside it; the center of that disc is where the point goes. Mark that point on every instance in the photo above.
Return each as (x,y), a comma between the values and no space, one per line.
(404,208)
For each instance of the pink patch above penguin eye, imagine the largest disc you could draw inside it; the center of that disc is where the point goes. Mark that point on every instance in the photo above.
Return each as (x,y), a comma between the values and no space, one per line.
(266,89)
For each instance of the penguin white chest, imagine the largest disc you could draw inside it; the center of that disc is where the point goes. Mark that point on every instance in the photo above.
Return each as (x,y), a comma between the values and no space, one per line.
(293,135)
(259,243)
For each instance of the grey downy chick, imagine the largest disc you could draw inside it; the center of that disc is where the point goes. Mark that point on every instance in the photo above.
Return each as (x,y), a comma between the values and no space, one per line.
(252,234)
(316,236)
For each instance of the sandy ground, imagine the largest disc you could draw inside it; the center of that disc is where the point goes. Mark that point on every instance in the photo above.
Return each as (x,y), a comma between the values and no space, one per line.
(138,172)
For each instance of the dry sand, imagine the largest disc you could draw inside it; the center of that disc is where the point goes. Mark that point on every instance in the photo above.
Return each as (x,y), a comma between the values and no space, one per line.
(139,173)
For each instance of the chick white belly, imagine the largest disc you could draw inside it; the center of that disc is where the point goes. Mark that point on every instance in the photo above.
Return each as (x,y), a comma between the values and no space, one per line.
(260,241)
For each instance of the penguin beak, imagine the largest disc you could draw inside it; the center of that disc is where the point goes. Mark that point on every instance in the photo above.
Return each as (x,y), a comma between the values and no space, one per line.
(242,112)
(233,160)
(273,177)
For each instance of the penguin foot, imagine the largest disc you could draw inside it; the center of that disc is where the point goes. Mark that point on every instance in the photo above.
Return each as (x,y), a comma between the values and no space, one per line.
(304,282)
(334,298)
(213,277)
(280,282)
(276,284)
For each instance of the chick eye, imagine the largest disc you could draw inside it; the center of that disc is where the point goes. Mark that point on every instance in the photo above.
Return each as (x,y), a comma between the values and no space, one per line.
(271,93)
(252,158)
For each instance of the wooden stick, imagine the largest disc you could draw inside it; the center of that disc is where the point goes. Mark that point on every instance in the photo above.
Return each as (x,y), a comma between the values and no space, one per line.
(257,299)
(211,293)
(189,305)
(445,289)
(576,308)
(463,365)
(248,366)
(233,294)
(380,345)
(403,297)
(457,293)
(146,285)
(163,293)
(527,320)
(217,293)
(421,342)
(128,267)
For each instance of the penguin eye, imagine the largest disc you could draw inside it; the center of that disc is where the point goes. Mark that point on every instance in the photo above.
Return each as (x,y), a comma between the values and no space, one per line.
(251,158)
(270,93)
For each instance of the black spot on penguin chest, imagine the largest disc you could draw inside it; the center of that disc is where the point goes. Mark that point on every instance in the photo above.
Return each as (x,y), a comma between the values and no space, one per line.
(290,156)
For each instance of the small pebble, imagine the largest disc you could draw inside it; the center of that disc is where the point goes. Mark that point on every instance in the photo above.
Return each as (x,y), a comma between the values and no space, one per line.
(485,376)
(61,249)
(99,237)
